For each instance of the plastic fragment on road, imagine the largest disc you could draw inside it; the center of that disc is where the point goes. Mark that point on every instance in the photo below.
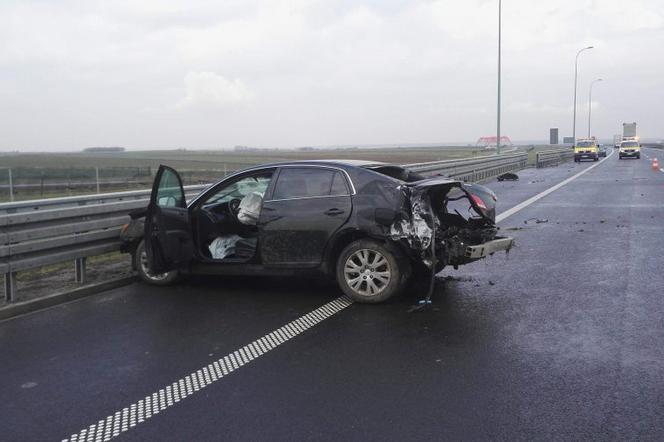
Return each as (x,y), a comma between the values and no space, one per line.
(509,176)
(223,246)
(250,209)
(537,220)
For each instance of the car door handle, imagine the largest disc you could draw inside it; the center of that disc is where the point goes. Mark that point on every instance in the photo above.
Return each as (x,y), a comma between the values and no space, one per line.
(334,212)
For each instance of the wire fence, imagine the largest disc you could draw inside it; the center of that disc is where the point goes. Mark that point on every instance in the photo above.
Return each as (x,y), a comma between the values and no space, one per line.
(22,183)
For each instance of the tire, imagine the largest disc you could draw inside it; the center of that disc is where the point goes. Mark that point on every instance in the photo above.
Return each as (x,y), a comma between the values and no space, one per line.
(140,264)
(370,272)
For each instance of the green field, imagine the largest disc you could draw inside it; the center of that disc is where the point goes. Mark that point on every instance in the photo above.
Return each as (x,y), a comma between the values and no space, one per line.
(46,175)
(203,159)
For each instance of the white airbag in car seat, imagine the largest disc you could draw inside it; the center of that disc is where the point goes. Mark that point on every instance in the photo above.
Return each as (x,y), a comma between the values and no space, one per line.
(250,209)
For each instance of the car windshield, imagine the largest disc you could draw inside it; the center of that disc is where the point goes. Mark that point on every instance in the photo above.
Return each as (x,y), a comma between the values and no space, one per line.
(630,144)
(585,144)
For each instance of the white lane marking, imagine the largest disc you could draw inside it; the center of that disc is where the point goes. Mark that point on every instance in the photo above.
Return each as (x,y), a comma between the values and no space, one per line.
(140,411)
(539,196)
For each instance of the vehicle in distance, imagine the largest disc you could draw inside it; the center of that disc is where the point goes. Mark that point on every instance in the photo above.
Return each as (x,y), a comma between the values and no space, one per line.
(601,150)
(369,225)
(629,130)
(586,150)
(629,149)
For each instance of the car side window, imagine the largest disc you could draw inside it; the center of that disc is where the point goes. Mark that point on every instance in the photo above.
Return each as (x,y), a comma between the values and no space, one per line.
(239,189)
(339,186)
(169,192)
(305,182)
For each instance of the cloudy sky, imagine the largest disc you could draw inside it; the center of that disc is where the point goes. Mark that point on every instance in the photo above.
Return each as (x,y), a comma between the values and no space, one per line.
(210,73)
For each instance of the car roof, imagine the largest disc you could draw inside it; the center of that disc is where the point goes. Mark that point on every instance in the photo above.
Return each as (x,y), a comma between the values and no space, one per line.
(331,162)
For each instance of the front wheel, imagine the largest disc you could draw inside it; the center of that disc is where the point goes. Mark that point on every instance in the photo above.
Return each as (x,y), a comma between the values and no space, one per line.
(140,258)
(369,272)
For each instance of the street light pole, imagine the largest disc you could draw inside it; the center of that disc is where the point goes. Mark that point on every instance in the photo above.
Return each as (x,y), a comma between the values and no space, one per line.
(498,106)
(576,71)
(590,102)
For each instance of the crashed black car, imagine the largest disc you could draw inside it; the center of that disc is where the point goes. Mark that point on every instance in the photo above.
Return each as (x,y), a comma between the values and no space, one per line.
(370,225)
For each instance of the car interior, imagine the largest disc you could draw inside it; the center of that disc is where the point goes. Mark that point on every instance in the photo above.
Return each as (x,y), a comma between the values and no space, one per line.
(225,222)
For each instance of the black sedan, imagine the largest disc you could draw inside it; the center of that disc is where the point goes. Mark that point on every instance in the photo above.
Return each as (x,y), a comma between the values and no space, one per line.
(370,225)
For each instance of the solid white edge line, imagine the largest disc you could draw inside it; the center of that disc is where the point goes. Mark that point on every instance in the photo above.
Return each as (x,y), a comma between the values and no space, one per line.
(539,196)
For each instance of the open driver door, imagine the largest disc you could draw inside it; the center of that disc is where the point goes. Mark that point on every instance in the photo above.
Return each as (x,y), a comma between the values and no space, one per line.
(168,236)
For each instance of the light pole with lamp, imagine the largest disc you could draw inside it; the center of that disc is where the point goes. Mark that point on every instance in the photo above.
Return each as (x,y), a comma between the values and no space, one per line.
(590,102)
(576,71)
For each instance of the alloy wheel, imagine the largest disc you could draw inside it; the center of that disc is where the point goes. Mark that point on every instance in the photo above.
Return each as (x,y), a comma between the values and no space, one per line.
(367,272)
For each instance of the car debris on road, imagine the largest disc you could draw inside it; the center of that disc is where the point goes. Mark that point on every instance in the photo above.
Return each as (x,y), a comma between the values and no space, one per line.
(509,176)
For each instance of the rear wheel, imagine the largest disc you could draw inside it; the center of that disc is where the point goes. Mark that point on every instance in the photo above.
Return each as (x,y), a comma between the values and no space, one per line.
(140,258)
(369,272)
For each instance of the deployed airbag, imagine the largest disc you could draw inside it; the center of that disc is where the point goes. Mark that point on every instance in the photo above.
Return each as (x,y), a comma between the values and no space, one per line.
(223,246)
(250,209)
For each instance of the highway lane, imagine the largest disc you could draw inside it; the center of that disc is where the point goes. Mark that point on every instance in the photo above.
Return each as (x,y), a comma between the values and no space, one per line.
(507,351)
(562,341)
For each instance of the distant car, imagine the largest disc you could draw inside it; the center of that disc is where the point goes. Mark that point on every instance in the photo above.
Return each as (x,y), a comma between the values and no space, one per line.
(601,150)
(629,149)
(586,150)
(370,225)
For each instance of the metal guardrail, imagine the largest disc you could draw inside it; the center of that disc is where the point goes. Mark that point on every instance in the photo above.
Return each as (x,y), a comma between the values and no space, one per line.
(476,169)
(38,233)
(84,200)
(553,157)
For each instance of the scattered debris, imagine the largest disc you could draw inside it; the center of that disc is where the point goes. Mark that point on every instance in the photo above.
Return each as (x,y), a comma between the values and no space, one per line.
(581,230)
(457,278)
(602,221)
(514,228)
(509,176)
(537,220)
(491,282)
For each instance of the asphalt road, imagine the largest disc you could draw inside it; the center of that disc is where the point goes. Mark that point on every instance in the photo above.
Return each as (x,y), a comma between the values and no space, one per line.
(562,339)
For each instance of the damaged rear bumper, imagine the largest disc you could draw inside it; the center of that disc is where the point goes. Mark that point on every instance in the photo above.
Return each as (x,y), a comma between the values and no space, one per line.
(489,248)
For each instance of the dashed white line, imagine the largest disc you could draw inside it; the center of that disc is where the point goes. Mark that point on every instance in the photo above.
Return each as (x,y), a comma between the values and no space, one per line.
(129,417)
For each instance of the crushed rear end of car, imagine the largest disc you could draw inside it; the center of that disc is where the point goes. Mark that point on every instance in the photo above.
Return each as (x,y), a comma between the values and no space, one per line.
(448,222)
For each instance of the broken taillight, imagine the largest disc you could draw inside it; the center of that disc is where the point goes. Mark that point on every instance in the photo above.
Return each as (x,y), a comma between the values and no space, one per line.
(478,201)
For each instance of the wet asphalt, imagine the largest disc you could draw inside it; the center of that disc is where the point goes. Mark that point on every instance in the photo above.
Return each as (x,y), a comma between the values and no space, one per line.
(561,339)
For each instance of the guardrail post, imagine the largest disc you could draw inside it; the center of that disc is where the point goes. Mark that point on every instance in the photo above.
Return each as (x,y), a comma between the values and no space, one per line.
(11,185)
(10,286)
(79,269)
